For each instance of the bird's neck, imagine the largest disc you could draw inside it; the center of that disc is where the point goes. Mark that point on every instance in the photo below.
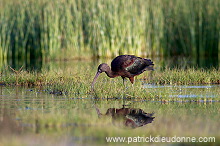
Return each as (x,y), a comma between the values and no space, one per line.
(110,73)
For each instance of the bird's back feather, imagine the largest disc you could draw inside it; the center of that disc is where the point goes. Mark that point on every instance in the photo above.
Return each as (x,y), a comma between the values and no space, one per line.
(140,65)
(132,64)
(121,62)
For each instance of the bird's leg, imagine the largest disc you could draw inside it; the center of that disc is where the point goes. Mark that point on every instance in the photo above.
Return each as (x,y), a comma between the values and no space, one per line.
(132,80)
(123,81)
(123,98)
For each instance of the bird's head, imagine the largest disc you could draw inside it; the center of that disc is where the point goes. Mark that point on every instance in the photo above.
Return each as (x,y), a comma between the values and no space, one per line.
(101,68)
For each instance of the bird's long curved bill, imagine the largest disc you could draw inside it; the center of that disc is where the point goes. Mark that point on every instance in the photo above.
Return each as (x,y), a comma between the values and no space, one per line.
(94,80)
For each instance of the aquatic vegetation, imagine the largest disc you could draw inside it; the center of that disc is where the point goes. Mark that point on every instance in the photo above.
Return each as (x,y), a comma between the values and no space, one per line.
(186,76)
(62,29)
(76,80)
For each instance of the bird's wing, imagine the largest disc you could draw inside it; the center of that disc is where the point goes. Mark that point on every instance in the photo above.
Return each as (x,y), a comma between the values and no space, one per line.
(132,64)
(122,62)
(139,65)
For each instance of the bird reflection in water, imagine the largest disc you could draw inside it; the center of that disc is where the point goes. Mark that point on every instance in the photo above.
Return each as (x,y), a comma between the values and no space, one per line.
(128,117)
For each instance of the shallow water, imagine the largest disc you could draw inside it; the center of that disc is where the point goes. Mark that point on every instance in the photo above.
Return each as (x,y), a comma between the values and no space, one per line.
(40,116)
(187,91)
(32,116)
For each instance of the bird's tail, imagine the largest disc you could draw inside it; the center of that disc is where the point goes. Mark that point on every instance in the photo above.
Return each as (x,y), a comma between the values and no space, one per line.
(150,64)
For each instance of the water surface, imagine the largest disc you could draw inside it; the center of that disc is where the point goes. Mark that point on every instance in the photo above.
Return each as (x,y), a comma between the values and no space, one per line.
(186,91)
(32,116)
(40,116)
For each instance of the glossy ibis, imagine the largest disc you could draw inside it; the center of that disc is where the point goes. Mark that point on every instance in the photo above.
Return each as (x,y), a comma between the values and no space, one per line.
(124,66)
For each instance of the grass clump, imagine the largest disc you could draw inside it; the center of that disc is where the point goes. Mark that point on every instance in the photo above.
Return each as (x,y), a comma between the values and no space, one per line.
(83,77)
(189,76)
(77,82)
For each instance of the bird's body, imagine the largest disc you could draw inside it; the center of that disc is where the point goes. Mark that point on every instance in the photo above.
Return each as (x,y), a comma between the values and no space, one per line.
(125,66)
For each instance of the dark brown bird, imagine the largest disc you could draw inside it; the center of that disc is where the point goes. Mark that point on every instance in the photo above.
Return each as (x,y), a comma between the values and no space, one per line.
(124,66)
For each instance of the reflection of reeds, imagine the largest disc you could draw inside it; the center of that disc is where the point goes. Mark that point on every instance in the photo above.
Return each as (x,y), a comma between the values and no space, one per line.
(48,29)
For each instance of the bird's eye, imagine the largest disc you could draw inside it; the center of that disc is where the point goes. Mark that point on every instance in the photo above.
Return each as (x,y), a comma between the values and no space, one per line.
(99,70)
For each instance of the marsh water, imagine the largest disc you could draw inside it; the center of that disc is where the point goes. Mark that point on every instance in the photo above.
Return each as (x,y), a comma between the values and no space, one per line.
(34,116)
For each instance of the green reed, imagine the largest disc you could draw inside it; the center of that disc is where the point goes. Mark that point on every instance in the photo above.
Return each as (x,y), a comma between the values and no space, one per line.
(62,29)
